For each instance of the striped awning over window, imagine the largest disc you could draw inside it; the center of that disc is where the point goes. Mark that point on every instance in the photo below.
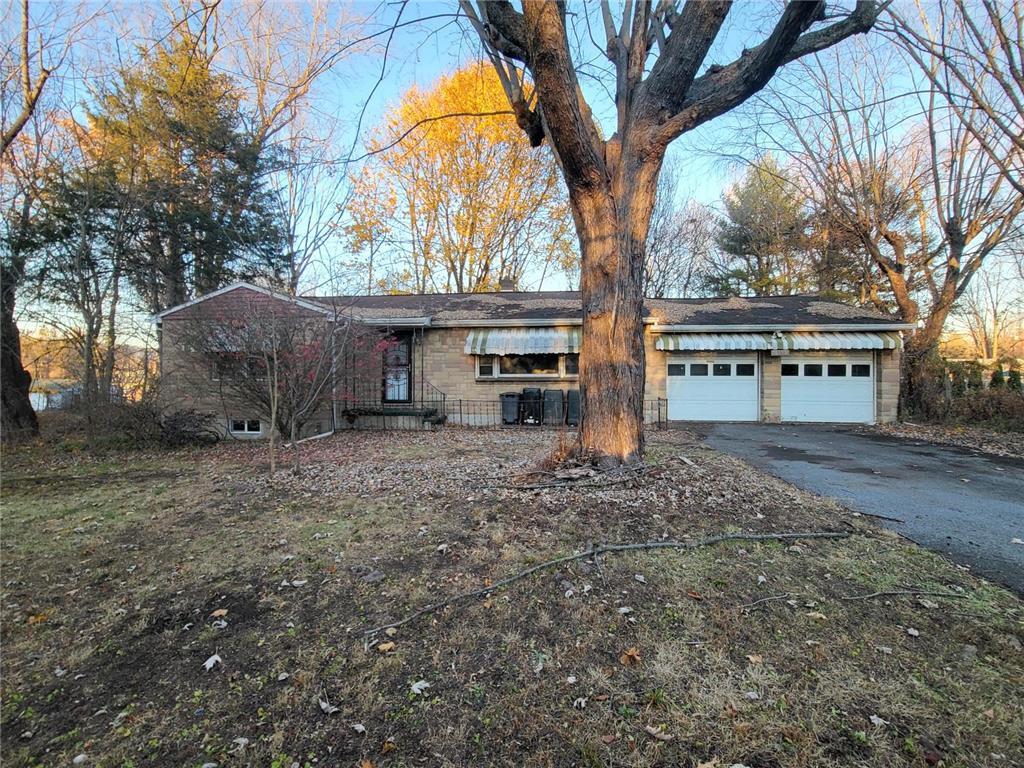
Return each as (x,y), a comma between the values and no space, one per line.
(522,341)
(793,342)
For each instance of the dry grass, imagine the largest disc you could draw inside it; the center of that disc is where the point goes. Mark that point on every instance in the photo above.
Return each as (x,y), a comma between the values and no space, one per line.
(110,580)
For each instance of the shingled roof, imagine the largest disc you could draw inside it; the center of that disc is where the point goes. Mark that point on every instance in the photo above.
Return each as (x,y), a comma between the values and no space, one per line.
(520,306)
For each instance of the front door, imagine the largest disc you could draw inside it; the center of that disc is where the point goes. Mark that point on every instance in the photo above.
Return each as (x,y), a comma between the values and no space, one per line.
(397,385)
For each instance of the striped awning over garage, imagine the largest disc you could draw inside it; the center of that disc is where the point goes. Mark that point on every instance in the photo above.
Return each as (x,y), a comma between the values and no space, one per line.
(793,342)
(700,342)
(523,341)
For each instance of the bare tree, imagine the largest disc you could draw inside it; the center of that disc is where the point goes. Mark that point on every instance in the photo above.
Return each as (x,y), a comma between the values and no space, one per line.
(991,311)
(656,53)
(680,242)
(972,54)
(909,179)
(28,61)
(275,357)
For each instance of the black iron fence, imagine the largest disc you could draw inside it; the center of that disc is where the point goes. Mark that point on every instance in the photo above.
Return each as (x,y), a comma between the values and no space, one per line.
(493,413)
(364,407)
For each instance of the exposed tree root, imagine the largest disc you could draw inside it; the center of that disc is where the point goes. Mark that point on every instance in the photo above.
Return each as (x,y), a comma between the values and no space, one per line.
(597,551)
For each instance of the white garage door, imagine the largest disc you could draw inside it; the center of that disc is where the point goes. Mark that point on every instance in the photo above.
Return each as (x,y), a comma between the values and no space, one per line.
(838,388)
(713,388)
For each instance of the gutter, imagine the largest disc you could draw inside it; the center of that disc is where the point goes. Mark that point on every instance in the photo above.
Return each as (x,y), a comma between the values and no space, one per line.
(789,328)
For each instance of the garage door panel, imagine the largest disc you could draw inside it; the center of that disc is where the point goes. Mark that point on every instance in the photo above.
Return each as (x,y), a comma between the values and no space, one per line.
(696,393)
(839,397)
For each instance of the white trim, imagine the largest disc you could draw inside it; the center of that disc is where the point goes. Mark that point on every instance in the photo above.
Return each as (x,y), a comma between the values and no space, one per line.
(395,322)
(246,430)
(483,322)
(235,286)
(763,327)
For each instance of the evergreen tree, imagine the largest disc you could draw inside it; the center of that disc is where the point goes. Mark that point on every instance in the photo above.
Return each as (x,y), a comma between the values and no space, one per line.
(206,217)
(765,236)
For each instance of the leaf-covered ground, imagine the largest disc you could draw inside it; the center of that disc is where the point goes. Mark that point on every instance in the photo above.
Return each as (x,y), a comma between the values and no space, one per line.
(971,438)
(125,575)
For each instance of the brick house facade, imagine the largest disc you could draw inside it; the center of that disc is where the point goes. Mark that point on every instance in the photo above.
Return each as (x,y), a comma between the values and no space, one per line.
(448,358)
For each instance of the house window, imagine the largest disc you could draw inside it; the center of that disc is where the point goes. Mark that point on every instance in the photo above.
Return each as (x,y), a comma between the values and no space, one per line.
(547,366)
(790,369)
(528,365)
(836,369)
(722,369)
(245,426)
(812,369)
(744,369)
(675,369)
(698,369)
(860,370)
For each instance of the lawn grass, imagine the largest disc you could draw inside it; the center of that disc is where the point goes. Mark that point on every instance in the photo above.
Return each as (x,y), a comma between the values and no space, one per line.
(116,568)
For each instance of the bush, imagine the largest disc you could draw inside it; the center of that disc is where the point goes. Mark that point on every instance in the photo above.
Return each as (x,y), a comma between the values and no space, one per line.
(998,407)
(953,392)
(130,425)
(187,427)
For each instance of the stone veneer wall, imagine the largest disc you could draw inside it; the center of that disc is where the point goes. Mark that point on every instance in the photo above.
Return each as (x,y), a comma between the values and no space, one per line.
(771,387)
(887,385)
(184,384)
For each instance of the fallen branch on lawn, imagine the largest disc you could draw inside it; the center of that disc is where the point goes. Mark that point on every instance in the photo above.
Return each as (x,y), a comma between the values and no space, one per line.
(763,600)
(601,550)
(880,517)
(899,592)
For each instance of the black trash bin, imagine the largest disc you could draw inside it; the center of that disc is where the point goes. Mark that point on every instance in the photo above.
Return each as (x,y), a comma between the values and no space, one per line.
(554,407)
(531,407)
(509,407)
(572,407)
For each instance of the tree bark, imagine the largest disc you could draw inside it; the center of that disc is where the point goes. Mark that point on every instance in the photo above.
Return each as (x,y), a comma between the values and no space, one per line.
(17,419)
(612,223)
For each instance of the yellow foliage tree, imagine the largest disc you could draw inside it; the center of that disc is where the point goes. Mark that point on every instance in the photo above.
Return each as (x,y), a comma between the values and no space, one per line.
(458,203)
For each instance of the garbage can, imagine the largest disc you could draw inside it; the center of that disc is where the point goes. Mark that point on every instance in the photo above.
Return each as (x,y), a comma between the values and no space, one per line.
(554,407)
(572,407)
(531,407)
(509,407)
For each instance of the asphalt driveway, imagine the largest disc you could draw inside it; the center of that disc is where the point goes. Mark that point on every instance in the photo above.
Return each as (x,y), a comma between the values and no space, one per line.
(969,506)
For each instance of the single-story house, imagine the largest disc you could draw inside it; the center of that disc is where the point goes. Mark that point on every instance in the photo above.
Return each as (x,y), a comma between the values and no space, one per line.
(451,357)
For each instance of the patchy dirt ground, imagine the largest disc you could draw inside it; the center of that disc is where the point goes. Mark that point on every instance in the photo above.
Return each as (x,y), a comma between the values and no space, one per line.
(970,438)
(125,575)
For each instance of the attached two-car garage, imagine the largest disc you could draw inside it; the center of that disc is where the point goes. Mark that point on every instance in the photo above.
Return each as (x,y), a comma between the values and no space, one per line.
(797,377)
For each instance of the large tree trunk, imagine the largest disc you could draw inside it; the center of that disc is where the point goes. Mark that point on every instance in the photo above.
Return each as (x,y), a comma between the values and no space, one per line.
(17,419)
(612,223)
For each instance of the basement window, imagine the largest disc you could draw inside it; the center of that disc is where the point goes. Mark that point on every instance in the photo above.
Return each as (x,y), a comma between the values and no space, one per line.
(245,426)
